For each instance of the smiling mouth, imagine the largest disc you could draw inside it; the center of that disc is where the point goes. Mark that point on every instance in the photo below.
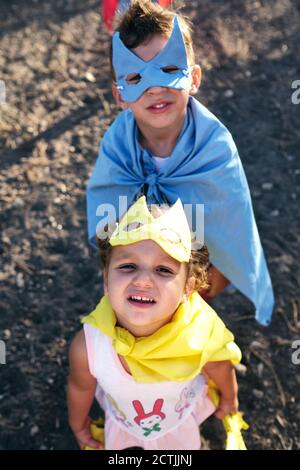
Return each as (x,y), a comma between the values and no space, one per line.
(141,299)
(159,106)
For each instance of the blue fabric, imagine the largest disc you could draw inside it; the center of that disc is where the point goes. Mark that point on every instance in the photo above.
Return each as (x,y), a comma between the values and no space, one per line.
(204,167)
(123,5)
(151,73)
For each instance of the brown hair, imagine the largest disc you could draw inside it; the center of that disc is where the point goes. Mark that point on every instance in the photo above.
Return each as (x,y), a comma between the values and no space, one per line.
(143,19)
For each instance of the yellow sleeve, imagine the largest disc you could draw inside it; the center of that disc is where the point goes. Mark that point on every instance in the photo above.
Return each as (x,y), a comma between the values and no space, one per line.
(220,345)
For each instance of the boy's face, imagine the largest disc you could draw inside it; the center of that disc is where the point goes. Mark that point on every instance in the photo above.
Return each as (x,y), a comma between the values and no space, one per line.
(145,286)
(159,107)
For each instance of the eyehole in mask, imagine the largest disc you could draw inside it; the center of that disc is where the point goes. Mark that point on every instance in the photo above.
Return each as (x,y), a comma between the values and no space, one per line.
(133,78)
(170,69)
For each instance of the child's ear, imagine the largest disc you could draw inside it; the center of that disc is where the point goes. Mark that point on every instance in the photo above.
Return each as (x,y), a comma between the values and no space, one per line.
(105,280)
(190,285)
(117,97)
(196,79)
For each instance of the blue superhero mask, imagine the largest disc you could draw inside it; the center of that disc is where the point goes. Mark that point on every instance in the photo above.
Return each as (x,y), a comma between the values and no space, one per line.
(155,72)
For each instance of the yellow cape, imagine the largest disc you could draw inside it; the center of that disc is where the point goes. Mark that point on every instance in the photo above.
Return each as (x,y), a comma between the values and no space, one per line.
(177,351)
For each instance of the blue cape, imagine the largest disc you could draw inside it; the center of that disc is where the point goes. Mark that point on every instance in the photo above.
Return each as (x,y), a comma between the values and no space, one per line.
(204,168)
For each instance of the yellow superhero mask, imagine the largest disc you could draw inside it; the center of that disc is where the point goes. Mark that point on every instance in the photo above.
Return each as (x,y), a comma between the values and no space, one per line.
(170,230)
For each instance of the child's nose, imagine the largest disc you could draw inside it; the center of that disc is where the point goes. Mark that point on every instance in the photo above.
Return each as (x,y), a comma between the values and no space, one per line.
(143,279)
(155,90)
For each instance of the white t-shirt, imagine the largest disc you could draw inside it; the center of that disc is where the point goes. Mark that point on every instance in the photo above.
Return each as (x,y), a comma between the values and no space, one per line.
(145,410)
(159,162)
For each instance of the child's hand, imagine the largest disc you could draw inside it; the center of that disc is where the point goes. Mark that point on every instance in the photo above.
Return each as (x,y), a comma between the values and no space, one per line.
(227,407)
(217,282)
(84,437)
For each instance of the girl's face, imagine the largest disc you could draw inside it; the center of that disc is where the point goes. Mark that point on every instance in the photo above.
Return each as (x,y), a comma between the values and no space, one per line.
(145,286)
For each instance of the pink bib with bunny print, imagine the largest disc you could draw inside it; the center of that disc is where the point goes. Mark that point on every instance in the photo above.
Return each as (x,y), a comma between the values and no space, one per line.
(146,411)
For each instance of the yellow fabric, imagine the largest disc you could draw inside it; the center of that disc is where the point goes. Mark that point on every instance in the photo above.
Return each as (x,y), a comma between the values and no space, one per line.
(97,432)
(233,424)
(170,231)
(177,351)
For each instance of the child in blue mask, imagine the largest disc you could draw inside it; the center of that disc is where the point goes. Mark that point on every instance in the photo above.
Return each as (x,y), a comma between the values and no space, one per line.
(165,144)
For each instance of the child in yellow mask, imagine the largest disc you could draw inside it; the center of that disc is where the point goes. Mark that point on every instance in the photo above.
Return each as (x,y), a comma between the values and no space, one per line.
(149,348)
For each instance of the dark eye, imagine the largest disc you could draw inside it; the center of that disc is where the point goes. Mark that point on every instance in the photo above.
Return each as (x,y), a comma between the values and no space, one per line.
(133,78)
(164,270)
(170,69)
(127,267)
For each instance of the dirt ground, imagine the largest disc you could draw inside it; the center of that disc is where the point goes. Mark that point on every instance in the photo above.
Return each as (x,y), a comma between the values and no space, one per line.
(54,62)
